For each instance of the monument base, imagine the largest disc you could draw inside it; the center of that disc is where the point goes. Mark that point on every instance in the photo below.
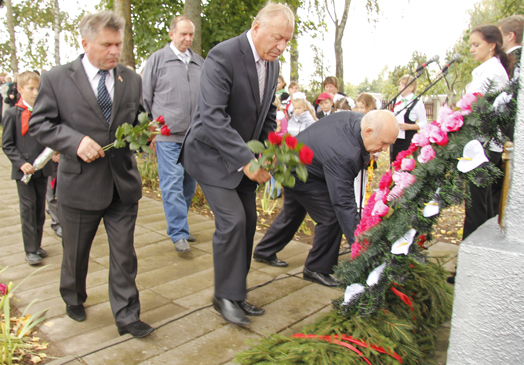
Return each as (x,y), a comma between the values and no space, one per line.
(487,325)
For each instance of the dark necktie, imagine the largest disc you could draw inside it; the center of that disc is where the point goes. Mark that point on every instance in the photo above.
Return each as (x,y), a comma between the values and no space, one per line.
(103,96)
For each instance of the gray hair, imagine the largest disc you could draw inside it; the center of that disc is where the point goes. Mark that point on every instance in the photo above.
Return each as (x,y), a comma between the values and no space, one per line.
(91,24)
(271,10)
(374,121)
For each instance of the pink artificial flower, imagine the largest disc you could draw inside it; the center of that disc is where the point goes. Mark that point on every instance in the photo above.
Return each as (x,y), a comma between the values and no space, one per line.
(356,247)
(3,289)
(403,179)
(408,164)
(426,154)
(380,209)
(420,139)
(449,120)
(437,135)
(395,193)
(385,180)
(382,195)
(466,102)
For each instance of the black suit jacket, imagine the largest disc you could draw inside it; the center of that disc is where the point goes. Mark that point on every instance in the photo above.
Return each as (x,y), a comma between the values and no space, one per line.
(20,149)
(66,110)
(514,58)
(228,114)
(339,155)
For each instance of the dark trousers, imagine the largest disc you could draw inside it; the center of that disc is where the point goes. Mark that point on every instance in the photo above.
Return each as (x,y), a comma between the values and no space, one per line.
(235,225)
(481,207)
(79,228)
(32,211)
(328,234)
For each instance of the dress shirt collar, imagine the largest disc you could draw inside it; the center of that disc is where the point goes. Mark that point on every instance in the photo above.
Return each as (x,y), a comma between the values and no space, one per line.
(512,49)
(253,48)
(92,70)
(27,105)
(408,97)
(178,52)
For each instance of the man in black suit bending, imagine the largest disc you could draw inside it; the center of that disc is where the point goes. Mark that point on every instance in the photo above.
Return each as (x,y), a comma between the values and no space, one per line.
(235,105)
(341,143)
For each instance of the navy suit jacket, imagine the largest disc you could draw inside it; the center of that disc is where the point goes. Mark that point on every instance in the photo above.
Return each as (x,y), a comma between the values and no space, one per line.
(229,114)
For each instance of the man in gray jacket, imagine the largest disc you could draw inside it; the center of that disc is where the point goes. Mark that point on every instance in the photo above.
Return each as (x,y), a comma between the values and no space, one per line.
(170,88)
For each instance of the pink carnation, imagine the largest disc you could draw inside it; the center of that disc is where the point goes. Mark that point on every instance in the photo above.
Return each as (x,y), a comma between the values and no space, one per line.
(408,164)
(466,102)
(420,139)
(385,180)
(380,209)
(449,120)
(437,135)
(395,193)
(382,195)
(426,154)
(356,247)
(403,179)
(4,290)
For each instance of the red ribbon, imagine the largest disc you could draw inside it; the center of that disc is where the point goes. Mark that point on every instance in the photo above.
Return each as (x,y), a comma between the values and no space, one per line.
(405,299)
(351,339)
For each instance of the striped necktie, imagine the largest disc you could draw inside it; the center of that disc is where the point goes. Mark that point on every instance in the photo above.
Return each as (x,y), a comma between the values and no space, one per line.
(103,96)
(261,71)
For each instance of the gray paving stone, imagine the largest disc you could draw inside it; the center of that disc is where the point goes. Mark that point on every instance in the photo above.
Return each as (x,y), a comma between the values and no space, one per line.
(152,218)
(148,211)
(443,249)
(163,339)
(186,285)
(293,308)
(215,347)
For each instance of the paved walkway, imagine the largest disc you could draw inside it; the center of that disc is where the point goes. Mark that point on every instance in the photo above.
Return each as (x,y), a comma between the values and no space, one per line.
(175,291)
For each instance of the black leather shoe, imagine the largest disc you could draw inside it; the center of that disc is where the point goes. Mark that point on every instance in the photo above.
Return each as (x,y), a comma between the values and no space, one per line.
(231,311)
(273,262)
(136,329)
(250,309)
(76,312)
(33,258)
(41,252)
(451,280)
(191,238)
(320,278)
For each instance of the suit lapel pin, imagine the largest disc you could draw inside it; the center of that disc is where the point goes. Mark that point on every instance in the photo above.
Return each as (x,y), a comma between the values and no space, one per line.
(120,78)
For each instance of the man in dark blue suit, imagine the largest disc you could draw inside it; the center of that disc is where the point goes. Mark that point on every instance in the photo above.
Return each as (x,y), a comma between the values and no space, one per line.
(235,105)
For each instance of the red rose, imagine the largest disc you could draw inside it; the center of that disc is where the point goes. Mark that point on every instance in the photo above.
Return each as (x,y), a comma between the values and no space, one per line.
(305,154)
(291,143)
(160,120)
(274,138)
(165,131)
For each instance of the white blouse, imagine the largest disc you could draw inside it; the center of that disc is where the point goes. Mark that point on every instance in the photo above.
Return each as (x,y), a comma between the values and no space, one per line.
(489,71)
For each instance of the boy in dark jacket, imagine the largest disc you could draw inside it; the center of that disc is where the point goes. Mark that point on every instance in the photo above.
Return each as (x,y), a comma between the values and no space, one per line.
(22,150)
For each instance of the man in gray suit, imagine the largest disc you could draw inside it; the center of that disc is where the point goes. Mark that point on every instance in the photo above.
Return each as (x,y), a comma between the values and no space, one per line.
(235,105)
(78,109)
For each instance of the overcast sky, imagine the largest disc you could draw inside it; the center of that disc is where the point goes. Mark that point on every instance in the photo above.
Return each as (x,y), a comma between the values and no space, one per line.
(403,26)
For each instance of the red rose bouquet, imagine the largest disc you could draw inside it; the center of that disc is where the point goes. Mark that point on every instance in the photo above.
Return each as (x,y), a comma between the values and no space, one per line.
(138,136)
(280,156)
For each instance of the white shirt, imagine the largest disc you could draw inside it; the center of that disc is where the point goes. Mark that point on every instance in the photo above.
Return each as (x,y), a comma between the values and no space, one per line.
(491,70)
(418,113)
(488,73)
(512,49)
(94,77)
(253,48)
(516,71)
(178,53)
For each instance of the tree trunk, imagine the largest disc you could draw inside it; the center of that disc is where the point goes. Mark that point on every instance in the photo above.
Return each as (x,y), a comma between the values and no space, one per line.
(193,9)
(293,53)
(339,53)
(57,30)
(11,29)
(293,59)
(123,8)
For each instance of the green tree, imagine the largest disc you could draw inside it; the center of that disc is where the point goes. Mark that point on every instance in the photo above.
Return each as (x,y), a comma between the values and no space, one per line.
(33,21)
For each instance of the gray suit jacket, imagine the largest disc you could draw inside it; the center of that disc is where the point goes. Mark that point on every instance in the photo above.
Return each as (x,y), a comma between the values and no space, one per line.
(228,114)
(66,110)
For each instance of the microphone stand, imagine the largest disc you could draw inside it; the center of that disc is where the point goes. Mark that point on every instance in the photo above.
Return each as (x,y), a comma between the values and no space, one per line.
(401,91)
(442,75)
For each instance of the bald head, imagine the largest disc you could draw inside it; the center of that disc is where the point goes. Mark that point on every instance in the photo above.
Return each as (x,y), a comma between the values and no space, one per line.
(379,129)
